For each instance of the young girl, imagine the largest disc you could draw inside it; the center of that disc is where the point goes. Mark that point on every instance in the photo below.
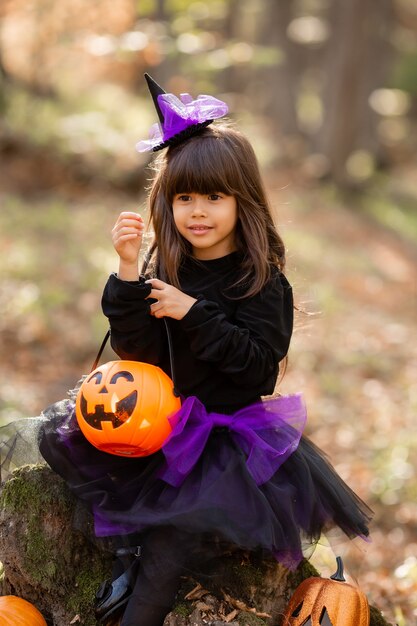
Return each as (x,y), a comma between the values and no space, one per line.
(236,467)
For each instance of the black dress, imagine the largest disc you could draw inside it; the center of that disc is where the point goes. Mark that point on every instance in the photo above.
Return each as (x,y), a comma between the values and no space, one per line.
(235,466)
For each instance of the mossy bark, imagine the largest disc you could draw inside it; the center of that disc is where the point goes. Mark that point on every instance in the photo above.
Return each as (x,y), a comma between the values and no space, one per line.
(45,559)
(51,558)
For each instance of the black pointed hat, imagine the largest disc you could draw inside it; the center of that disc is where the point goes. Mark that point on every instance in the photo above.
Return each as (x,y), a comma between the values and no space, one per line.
(179,118)
(155,91)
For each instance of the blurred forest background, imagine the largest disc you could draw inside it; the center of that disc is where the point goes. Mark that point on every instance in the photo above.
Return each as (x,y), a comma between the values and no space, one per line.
(327,92)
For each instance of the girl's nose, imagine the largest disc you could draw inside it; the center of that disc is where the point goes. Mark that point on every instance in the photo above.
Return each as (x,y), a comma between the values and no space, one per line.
(199,206)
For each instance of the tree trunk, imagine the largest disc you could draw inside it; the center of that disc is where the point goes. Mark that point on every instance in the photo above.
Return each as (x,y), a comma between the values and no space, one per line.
(51,562)
(277,86)
(357,59)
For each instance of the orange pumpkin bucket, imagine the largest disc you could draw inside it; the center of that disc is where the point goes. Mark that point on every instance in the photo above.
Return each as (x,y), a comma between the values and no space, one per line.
(123,407)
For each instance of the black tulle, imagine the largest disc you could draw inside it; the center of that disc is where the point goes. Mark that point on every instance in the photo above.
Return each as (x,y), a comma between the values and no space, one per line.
(291,510)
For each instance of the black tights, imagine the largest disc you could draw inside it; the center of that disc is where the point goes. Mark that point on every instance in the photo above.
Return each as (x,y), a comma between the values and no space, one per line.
(167,554)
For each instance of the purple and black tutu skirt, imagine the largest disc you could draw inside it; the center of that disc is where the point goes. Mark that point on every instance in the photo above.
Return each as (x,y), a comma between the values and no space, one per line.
(250,478)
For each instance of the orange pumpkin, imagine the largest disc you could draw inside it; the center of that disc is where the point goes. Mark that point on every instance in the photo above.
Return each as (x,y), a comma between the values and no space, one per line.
(327,602)
(15,611)
(123,407)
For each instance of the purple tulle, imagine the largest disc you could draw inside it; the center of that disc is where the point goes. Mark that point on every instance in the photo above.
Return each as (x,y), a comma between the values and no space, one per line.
(180,114)
(249,478)
(267,432)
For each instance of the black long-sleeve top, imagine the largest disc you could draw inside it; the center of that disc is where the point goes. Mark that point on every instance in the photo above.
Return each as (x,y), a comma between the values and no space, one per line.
(226,350)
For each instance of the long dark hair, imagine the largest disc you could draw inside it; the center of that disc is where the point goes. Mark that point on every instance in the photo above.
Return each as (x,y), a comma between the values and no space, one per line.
(220,159)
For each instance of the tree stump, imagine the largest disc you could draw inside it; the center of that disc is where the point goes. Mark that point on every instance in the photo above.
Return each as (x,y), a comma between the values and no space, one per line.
(51,558)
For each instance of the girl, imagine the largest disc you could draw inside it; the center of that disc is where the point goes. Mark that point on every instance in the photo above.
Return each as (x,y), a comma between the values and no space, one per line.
(236,468)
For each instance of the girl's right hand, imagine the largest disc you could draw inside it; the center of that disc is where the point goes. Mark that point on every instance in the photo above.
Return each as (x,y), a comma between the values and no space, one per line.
(127,236)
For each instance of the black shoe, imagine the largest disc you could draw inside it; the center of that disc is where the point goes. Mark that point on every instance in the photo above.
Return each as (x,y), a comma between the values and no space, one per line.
(112,596)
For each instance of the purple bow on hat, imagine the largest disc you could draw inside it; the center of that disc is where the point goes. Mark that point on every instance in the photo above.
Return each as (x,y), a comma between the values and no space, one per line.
(180,118)
(267,432)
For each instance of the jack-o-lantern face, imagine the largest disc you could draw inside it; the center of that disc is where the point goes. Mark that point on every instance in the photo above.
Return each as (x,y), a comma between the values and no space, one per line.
(123,408)
(112,401)
(327,602)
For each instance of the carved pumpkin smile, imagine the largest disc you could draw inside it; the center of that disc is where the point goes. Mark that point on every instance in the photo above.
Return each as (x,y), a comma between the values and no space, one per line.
(120,411)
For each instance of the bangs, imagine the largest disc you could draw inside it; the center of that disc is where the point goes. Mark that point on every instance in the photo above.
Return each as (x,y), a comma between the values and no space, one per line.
(204,164)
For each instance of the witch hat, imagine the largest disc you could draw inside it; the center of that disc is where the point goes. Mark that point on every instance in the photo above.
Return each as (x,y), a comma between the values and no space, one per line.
(179,118)
(155,91)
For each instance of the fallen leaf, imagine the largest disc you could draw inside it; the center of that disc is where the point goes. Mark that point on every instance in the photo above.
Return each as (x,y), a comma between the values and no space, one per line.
(196,593)
(230,616)
(238,604)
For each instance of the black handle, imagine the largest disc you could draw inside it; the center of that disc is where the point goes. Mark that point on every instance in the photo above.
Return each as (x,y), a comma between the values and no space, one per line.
(170,352)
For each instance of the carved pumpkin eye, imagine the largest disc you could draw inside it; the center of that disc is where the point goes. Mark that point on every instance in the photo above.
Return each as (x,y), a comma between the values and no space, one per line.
(323,621)
(126,375)
(324,618)
(98,376)
(297,612)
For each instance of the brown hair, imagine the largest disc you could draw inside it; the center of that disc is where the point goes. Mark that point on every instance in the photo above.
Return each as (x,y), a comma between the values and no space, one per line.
(219,159)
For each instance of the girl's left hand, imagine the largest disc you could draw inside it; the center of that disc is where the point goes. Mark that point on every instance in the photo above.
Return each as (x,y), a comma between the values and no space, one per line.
(171,302)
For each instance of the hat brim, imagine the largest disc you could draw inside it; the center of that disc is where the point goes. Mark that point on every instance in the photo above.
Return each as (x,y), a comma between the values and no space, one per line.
(185,134)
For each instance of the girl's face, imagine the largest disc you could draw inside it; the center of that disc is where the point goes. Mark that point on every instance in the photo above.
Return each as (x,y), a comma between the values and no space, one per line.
(207,222)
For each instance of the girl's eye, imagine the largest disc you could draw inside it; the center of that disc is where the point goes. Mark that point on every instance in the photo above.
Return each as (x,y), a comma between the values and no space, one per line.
(214,196)
(184,197)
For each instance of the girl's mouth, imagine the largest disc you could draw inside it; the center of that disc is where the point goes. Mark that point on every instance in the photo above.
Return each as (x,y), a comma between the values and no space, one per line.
(199,229)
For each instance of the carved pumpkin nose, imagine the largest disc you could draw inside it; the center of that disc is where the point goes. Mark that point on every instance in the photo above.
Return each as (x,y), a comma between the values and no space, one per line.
(103,389)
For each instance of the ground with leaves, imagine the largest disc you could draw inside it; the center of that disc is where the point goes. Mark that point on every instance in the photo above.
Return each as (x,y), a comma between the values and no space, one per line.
(354,355)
